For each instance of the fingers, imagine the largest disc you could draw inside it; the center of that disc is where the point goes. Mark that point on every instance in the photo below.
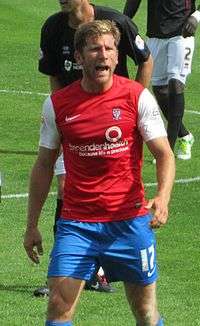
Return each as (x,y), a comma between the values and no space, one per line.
(159,218)
(33,245)
(160,212)
(40,249)
(190,27)
(32,253)
(34,256)
(155,224)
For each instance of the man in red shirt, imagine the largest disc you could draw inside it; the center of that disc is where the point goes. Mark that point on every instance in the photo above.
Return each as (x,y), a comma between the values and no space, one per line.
(57,61)
(101,122)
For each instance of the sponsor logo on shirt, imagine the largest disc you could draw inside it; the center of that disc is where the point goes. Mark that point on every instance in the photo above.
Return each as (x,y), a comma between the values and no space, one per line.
(113,134)
(69,65)
(113,144)
(66,49)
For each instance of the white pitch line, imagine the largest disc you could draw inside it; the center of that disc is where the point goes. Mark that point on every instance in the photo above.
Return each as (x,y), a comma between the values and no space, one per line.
(189,180)
(153,184)
(196,179)
(21,195)
(12,91)
(193,112)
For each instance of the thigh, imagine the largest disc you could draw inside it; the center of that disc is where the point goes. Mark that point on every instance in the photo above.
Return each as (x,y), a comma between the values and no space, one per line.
(180,53)
(75,252)
(129,254)
(158,48)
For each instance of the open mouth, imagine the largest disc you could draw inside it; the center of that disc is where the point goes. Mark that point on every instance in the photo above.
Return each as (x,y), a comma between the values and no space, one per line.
(102,68)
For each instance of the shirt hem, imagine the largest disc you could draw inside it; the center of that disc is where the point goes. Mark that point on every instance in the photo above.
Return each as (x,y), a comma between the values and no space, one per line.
(105,219)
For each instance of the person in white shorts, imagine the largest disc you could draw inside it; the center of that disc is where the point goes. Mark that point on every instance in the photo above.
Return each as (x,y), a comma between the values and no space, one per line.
(172,65)
(171,26)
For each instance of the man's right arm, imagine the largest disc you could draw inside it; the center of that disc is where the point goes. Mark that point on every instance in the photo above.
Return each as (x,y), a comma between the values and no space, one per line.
(40,180)
(55,83)
(131,7)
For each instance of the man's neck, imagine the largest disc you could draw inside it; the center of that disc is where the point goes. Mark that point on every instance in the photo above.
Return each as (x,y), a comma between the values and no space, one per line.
(90,86)
(83,14)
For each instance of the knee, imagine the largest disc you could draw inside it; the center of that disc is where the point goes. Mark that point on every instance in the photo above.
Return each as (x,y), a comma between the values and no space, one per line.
(147,315)
(175,86)
(59,307)
(160,91)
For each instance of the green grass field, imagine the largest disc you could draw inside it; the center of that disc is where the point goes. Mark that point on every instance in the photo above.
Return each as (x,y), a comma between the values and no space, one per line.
(21,97)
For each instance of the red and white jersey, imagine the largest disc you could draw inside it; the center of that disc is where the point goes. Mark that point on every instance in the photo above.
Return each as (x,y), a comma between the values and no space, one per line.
(102,137)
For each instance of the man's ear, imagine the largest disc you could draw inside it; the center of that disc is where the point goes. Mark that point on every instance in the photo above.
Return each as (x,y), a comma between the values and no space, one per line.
(78,57)
(117,59)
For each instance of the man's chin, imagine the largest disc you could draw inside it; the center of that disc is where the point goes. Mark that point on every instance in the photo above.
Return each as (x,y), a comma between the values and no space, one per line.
(102,76)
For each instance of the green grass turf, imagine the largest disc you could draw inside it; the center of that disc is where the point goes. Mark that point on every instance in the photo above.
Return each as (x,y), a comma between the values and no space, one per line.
(178,241)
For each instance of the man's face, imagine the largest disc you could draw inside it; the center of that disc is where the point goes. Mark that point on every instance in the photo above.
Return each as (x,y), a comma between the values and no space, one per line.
(99,59)
(69,5)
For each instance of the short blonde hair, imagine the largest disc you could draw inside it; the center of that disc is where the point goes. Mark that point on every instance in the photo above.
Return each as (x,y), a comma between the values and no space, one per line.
(95,28)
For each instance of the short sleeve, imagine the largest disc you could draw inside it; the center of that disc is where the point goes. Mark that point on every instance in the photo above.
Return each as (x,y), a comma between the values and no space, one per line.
(49,135)
(150,123)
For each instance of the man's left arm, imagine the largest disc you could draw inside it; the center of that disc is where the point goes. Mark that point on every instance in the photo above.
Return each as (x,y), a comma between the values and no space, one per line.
(191,23)
(165,173)
(152,130)
(133,45)
(144,72)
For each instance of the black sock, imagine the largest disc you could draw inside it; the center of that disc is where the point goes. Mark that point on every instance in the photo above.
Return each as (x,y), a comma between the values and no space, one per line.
(163,102)
(182,131)
(57,213)
(175,115)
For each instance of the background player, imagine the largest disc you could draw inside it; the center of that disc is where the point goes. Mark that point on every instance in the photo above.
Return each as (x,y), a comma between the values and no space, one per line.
(170,28)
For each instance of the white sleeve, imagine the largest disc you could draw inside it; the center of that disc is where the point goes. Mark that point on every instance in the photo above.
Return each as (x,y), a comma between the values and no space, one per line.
(150,123)
(49,136)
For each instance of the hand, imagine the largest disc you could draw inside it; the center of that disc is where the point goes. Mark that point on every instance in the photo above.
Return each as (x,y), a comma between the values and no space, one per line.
(190,27)
(32,238)
(160,212)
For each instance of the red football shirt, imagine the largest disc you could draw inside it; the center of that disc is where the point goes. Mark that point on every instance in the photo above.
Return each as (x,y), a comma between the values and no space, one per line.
(102,150)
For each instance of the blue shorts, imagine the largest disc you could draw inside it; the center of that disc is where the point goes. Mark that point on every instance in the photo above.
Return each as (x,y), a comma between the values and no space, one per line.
(125,250)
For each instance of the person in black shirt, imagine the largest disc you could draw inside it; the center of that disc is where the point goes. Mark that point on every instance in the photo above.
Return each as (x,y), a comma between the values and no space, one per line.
(171,26)
(57,49)
(57,61)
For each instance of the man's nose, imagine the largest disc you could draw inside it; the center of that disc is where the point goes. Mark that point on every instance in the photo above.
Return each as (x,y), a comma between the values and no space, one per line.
(103,52)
